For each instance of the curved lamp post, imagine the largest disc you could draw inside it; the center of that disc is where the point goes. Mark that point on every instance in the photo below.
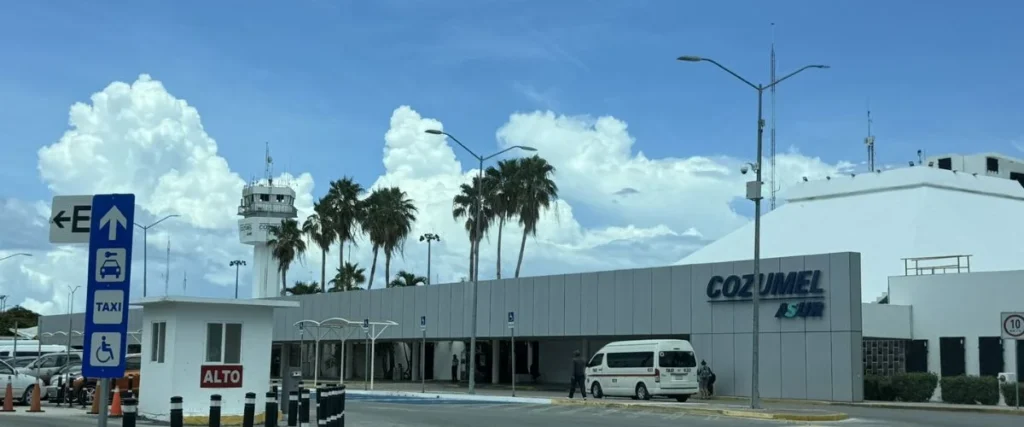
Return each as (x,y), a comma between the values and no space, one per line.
(145,246)
(754,194)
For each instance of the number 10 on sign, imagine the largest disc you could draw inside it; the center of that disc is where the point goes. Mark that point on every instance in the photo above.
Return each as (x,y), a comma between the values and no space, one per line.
(1012,325)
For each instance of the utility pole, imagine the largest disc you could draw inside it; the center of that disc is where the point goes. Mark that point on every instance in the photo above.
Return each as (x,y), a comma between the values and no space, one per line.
(238,263)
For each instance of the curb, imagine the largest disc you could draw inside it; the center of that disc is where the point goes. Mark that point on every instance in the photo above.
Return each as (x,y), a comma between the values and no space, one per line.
(452,396)
(733,413)
(976,409)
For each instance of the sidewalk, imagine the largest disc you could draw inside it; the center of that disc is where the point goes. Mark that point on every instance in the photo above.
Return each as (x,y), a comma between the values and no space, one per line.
(920,406)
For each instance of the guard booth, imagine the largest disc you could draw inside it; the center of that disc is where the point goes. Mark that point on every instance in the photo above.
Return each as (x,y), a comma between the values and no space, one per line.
(193,347)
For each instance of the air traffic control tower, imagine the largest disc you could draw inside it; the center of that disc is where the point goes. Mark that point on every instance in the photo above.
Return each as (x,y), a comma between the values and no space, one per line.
(264,205)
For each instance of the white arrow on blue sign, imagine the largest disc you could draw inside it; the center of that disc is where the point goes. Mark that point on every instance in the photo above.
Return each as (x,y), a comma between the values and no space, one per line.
(109,284)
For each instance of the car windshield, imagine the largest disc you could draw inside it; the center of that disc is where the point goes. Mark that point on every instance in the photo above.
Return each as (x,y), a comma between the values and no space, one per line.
(677,359)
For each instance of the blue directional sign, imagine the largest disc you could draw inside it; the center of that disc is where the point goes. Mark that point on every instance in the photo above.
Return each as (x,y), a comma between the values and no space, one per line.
(511,319)
(109,282)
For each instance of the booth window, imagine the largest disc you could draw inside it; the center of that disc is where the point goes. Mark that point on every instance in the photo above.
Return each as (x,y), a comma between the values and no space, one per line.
(157,346)
(224,343)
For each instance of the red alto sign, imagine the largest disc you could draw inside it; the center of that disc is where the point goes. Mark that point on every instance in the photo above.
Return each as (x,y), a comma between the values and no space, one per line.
(220,376)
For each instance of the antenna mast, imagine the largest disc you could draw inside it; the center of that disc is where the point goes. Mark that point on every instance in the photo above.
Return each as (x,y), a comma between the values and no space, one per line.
(773,121)
(870,142)
(167,268)
(268,169)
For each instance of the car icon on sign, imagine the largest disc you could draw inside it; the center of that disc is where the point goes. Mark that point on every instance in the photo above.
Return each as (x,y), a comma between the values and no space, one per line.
(110,267)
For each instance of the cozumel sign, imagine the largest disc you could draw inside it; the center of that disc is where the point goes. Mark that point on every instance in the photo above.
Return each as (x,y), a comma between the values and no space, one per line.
(802,285)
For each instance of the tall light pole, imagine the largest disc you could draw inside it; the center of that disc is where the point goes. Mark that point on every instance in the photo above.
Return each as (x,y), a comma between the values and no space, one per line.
(145,247)
(429,237)
(14,255)
(754,194)
(71,302)
(236,263)
(479,205)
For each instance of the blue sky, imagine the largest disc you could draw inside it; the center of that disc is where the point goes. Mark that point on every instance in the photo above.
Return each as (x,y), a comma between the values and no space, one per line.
(322,76)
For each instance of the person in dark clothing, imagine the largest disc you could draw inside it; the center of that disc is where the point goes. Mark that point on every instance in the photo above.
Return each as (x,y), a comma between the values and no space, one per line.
(579,373)
(455,368)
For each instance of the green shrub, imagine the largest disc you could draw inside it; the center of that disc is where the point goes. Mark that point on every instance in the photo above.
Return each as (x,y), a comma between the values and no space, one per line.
(913,387)
(966,390)
(1010,396)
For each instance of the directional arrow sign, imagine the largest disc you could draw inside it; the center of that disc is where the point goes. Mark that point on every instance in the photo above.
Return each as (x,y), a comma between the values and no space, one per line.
(111,220)
(70,219)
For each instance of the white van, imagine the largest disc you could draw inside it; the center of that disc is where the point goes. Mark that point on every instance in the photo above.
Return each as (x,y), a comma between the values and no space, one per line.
(30,350)
(644,368)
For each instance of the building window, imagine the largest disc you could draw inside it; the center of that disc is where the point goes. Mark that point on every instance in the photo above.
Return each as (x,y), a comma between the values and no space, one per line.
(156,353)
(946,163)
(992,164)
(951,356)
(990,356)
(224,343)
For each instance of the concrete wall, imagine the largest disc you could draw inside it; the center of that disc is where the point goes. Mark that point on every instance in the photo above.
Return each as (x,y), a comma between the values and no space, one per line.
(960,305)
(887,321)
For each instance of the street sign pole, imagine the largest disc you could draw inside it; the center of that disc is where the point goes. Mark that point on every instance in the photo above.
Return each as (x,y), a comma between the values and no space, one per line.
(105,340)
(366,357)
(512,328)
(423,354)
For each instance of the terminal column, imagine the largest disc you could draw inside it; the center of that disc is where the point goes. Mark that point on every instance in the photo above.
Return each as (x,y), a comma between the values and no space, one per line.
(415,348)
(495,360)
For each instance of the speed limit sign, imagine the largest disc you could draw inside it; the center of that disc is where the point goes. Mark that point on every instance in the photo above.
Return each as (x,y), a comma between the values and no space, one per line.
(1012,325)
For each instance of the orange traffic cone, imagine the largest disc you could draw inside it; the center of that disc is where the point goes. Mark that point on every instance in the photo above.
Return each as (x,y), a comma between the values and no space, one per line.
(115,406)
(95,409)
(36,404)
(8,398)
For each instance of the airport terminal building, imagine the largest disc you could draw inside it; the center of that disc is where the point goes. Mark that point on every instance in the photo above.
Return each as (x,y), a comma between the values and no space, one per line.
(876,273)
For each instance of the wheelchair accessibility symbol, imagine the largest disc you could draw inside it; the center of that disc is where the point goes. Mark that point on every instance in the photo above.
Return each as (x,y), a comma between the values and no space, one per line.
(104,348)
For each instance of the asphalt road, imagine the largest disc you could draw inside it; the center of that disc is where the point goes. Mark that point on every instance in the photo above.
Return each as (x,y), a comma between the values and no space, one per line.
(408,413)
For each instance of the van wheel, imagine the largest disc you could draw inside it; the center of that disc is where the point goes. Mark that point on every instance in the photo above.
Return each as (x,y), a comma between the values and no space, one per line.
(682,398)
(641,392)
(595,390)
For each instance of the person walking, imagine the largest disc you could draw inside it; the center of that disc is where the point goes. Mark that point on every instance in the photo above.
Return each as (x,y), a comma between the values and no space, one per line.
(455,368)
(704,378)
(579,372)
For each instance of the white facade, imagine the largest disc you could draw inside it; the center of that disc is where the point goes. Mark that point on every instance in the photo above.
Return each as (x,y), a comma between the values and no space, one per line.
(989,164)
(887,216)
(263,206)
(183,346)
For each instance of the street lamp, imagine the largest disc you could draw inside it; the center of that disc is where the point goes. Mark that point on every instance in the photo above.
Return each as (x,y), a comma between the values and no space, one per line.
(236,263)
(754,194)
(14,255)
(429,237)
(476,273)
(145,247)
(71,302)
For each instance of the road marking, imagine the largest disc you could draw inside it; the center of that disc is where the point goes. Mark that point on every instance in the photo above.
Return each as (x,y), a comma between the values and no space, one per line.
(542,409)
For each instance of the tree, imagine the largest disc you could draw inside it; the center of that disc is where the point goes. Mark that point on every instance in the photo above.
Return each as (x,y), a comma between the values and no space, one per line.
(303,288)
(320,231)
(346,212)
(535,191)
(286,246)
(464,205)
(500,184)
(17,315)
(404,278)
(396,215)
(348,278)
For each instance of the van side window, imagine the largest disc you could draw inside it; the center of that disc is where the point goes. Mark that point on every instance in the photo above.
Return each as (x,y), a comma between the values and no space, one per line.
(637,359)
(596,360)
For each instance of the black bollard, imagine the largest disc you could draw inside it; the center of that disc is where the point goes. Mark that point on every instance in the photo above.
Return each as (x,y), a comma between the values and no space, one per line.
(215,410)
(130,408)
(341,406)
(293,408)
(249,412)
(177,418)
(270,410)
(321,406)
(60,390)
(304,407)
(131,386)
(335,395)
(328,402)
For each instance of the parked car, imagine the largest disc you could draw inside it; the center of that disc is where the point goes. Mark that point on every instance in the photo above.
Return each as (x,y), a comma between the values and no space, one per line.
(86,387)
(22,384)
(20,361)
(47,364)
(63,377)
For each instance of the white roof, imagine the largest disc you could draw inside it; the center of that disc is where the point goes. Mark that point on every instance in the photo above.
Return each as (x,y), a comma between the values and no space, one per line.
(273,303)
(886,216)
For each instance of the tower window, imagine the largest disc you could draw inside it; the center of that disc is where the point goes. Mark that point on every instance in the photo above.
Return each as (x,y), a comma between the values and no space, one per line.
(992,164)
(946,163)
(264,197)
(280,198)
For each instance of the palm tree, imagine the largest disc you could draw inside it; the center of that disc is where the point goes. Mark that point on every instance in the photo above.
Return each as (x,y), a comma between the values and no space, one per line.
(348,278)
(397,214)
(303,288)
(372,224)
(535,191)
(501,197)
(286,246)
(405,278)
(346,212)
(320,231)
(464,205)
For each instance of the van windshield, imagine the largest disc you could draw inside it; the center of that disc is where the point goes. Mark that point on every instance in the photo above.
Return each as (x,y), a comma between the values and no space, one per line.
(676,359)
